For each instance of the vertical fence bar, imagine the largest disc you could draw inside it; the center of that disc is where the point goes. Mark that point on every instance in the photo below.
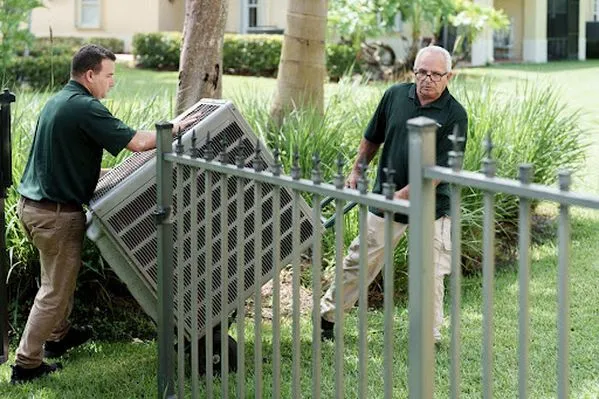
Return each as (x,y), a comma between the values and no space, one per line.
(422,212)
(240,215)
(258,288)
(6,98)
(316,283)
(525,173)
(455,162)
(388,191)
(224,281)
(295,364)
(339,295)
(276,283)
(363,289)
(180,285)
(208,286)
(563,321)
(488,274)
(164,236)
(195,280)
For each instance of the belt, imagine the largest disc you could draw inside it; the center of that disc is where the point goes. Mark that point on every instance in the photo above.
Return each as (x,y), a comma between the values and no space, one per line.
(52,206)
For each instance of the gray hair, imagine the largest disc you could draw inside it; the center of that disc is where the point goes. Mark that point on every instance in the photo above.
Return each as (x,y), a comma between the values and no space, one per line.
(437,50)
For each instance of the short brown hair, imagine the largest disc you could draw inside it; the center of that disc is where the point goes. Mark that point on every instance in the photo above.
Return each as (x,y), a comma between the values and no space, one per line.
(89,57)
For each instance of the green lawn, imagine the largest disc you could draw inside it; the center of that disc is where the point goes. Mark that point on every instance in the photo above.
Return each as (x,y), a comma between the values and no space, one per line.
(127,370)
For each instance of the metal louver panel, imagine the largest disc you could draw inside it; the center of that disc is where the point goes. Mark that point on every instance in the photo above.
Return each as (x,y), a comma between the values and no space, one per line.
(123,210)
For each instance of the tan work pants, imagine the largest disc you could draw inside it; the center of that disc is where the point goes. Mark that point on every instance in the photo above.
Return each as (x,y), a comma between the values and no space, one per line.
(375,252)
(58,236)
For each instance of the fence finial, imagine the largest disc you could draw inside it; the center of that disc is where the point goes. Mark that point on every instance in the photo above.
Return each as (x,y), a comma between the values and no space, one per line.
(488,162)
(456,155)
(276,166)
(389,185)
(179,148)
(224,156)
(257,162)
(525,173)
(316,173)
(194,151)
(208,153)
(240,158)
(363,180)
(564,177)
(295,168)
(340,177)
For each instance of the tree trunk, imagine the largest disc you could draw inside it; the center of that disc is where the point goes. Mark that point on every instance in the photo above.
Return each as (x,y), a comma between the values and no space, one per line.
(302,68)
(200,70)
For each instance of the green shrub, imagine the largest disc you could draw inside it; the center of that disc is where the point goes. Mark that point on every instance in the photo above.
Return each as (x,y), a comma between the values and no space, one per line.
(40,72)
(157,50)
(113,44)
(255,55)
(341,60)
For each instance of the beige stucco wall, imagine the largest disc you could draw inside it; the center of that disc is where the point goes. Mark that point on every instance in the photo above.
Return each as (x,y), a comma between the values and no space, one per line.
(233,17)
(171,15)
(119,19)
(514,10)
(277,13)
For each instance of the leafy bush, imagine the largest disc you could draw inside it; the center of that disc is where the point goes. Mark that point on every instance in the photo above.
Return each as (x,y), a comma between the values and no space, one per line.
(113,44)
(341,60)
(256,55)
(40,72)
(157,50)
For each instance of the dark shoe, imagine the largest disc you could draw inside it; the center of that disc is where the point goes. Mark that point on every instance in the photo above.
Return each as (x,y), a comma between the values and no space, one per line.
(74,338)
(21,375)
(328,330)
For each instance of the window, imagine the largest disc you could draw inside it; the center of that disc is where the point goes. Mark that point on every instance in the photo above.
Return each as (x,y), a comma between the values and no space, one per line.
(89,14)
(252,13)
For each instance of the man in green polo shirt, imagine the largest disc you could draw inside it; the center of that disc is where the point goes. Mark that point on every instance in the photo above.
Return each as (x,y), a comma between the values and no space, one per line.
(61,174)
(430,98)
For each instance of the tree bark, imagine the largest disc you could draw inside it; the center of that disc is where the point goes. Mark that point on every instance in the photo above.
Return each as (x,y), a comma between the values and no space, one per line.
(302,68)
(200,70)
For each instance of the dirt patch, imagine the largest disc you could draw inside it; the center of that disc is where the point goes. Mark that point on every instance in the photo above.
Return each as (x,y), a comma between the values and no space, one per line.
(286,298)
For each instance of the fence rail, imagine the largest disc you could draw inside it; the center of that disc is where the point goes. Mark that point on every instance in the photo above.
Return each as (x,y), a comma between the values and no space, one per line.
(288,376)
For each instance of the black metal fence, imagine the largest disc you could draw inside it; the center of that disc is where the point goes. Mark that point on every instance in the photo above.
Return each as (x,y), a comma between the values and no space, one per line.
(6,98)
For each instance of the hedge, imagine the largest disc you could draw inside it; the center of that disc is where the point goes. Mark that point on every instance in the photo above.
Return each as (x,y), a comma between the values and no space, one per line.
(69,45)
(49,62)
(40,72)
(256,55)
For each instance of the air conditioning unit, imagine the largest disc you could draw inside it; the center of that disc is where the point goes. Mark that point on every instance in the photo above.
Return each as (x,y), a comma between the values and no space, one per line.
(121,222)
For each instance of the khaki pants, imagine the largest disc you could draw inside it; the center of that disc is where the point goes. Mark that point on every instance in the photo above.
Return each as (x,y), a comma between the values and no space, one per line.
(376,248)
(58,235)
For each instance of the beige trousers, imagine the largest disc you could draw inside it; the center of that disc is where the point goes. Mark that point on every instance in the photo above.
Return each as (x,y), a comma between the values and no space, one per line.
(376,248)
(58,236)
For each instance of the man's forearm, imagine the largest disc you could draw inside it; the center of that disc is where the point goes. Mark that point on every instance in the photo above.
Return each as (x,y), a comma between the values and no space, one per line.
(366,152)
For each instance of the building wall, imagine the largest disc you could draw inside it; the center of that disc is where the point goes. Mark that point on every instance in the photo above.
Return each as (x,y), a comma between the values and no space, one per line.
(514,10)
(171,15)
(118,19)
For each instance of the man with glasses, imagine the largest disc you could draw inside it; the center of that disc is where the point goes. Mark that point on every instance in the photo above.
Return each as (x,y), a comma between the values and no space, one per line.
(430,98)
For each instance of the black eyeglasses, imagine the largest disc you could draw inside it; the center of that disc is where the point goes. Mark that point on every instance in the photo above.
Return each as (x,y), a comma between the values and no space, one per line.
(421,74)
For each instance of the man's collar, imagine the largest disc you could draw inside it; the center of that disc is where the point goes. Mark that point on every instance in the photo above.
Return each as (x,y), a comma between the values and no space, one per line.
(78,86)
(439,103)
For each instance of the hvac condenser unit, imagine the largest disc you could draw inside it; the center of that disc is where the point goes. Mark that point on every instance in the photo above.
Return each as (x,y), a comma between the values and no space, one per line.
(121,220)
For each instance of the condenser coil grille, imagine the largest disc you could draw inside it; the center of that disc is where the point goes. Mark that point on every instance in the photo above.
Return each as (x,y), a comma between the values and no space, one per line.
(126,211)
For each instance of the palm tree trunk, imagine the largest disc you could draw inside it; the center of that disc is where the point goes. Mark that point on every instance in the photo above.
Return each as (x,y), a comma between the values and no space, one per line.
(302,68)
(200,70)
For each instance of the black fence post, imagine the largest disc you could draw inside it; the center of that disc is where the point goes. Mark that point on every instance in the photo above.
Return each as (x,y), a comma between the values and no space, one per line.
(6,98)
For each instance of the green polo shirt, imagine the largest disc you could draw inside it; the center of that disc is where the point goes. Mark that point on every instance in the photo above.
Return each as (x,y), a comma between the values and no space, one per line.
(389,126)
(65,159)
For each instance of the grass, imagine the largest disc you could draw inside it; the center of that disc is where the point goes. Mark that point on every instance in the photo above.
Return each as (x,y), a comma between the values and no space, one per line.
(127,370)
